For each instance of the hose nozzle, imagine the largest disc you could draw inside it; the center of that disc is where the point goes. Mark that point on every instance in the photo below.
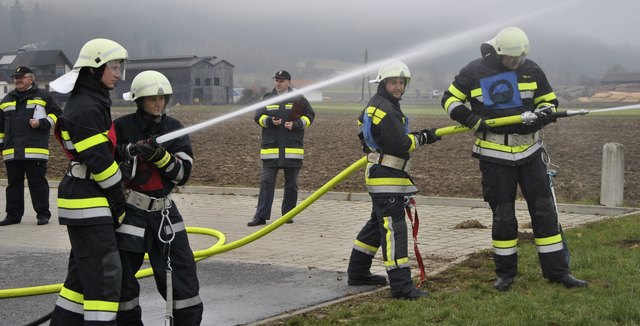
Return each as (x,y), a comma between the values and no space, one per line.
(576,112)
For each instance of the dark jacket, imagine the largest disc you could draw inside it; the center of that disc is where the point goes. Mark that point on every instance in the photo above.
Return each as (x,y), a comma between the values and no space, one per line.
(495,91)
(85,130)
(389,128)
(281,147)
(19,141)
(149,179)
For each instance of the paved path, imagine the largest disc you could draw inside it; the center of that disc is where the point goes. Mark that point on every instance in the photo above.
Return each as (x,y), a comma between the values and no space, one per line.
(296,266)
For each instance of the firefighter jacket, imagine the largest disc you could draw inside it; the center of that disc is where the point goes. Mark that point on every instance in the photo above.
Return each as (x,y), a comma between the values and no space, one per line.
(495,91)
(91,191)
(388,127)
(155,179)
(281,147)
(17,139)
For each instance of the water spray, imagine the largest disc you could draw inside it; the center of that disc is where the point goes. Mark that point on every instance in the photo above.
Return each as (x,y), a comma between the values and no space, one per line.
(436,48)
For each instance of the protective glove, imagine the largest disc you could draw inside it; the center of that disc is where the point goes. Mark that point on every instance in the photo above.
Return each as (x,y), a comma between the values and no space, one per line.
(431,136)
(426,136)
(476,123)
(545,115)
(148,151)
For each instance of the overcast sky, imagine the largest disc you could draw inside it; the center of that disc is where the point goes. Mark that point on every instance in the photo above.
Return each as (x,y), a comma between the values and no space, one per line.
(250,32)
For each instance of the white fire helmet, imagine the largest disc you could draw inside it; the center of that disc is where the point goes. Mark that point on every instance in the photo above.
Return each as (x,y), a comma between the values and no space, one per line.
(513,42)
(394,69)
(94,53)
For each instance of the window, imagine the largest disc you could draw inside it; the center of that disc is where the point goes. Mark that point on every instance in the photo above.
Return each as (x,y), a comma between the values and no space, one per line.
(197,82)
(207,82)
(216,81)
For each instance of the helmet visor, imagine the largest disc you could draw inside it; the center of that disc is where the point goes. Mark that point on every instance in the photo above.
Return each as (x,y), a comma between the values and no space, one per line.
(117,67)
(512,62)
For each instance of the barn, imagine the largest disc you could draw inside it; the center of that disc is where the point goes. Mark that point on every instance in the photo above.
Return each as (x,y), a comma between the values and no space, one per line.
(195,80)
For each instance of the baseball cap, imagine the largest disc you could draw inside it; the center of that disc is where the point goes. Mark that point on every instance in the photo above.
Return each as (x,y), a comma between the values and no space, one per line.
(283,74)
(21,71)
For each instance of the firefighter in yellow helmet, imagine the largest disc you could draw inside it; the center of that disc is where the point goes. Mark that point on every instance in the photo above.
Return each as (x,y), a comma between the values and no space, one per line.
(90,196)
(384,132)
(503,83)
(153,223)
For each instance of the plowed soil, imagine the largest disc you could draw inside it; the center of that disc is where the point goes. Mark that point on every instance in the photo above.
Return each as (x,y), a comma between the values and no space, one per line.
(227,154)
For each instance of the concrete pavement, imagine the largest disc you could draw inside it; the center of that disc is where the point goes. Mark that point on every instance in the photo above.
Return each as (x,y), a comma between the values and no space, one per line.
(296,266)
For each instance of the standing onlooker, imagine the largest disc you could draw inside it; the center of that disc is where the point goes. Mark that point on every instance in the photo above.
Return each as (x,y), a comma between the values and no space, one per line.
(283,126)
(26,115)
(504,83)
(153,223)
(385,133)
(90,196)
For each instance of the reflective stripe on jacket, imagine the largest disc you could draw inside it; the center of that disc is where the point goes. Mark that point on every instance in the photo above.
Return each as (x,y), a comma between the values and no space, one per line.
(494,91)
(17,139)
(281,147)
(390,133)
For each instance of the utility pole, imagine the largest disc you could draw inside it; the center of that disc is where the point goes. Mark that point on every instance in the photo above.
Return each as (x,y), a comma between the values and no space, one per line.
(365,80)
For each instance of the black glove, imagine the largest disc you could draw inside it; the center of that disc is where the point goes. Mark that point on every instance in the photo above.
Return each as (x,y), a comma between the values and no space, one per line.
(544,116)
(148,151)
(476,123)
(430,134)
(426,136)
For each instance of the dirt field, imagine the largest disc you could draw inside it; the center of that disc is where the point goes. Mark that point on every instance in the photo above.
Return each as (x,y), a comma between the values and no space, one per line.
(227,154)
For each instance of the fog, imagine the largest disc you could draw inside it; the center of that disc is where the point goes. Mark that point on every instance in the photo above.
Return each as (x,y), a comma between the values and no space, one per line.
(573,41)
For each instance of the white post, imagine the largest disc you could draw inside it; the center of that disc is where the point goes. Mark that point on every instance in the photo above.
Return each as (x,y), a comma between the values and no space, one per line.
(612,182)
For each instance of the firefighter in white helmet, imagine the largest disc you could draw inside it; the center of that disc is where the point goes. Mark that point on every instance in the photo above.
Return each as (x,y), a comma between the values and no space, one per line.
(384,131)
(90,196)
(504,83)
(153,223)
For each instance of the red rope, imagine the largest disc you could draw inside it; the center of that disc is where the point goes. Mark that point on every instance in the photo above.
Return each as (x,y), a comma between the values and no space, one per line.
(415,224)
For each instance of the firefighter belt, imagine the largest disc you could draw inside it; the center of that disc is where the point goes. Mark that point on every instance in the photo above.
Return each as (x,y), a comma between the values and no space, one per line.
(510,139)
(389,161)
(147,203)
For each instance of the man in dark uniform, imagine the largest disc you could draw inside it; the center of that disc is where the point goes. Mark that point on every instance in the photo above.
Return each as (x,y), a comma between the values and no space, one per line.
(282,147)
(504,83)
(90,196)
(153,223)
(26,116)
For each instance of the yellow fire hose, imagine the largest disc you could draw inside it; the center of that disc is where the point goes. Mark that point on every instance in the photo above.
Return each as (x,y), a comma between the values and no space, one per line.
(221,247)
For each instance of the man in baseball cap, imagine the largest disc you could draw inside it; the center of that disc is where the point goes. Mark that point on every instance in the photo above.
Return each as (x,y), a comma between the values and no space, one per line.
(282,74)
(21,71)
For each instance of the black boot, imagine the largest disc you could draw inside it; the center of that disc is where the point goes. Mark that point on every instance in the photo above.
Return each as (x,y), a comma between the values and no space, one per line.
(402,286)
(9,221)
(569,281)
(359,270)
(503,283)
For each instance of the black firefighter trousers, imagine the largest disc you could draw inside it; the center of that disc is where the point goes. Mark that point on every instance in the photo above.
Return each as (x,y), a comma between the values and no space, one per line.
(499,186)
(36,171)
(187,305)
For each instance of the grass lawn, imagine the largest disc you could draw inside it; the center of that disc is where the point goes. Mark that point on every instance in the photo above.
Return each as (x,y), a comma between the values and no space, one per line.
(607,254)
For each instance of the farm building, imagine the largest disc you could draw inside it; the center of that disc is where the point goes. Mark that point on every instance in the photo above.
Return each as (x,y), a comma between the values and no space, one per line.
(47,65)
(195,80)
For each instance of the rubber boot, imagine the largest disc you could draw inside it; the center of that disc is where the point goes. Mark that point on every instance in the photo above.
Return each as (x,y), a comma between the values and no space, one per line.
(359,270)
(402,286)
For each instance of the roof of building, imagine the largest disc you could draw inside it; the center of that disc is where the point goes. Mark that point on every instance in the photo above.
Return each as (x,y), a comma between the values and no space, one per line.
(31,58)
